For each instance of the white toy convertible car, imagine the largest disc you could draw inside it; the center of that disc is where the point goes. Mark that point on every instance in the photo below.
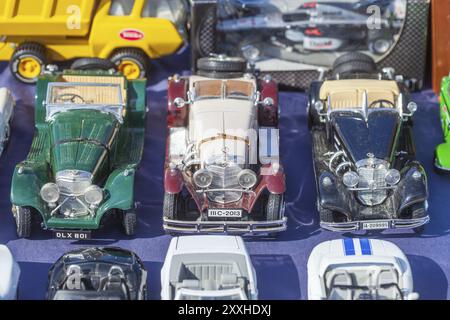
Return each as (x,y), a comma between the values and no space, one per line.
(6,111)
(359,269)
(208,268)
(9,275)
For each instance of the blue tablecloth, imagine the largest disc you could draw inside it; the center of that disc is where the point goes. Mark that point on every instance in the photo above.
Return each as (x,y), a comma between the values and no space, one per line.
(280,264)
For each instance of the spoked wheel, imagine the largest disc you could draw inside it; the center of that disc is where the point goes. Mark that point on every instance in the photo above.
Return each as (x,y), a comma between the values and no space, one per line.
(172,207)
(129,222)
(274,209)
(22,216)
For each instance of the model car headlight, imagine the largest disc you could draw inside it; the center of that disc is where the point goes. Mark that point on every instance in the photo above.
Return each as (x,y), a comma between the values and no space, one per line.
(50,192)
(93,195)
(392,177)
(203,178)
(350,179)
(247,178)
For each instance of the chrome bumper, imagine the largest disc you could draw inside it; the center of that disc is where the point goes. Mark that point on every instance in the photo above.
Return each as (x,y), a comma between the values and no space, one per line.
(225,227)
(358,225)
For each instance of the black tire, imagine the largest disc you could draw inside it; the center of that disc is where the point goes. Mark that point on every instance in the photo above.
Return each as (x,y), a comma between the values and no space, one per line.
(135,55)
(354,62)
(129,222)
(222,64)
(26,50)
(23,221)
(171,206)
(93,64)
(274,206)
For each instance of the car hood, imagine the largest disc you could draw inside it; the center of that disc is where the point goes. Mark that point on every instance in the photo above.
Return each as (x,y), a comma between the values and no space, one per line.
(376,135)
(81,139)
(221,126)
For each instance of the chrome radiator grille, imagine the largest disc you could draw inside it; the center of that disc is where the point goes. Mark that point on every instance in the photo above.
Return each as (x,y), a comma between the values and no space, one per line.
(372,178)
(224,177)
(72,185)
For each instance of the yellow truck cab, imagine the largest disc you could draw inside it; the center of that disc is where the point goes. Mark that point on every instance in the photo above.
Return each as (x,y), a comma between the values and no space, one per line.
(127,32)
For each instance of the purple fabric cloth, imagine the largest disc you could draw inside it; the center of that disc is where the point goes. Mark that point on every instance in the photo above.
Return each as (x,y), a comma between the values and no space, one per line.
(280,264)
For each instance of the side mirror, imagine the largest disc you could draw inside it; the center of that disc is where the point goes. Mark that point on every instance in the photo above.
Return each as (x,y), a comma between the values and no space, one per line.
(413,296)
(179,102)
(318,105)
(412,107)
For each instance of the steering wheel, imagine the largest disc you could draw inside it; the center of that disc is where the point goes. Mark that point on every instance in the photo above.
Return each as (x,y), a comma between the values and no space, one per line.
(69,97)
(381,104)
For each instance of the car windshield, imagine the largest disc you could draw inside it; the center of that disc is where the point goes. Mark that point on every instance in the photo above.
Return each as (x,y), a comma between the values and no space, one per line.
(230,294)
(230,89)
(67,96)
(389,291)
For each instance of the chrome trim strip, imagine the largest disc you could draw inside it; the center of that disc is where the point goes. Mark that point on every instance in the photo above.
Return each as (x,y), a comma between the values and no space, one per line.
(357,225)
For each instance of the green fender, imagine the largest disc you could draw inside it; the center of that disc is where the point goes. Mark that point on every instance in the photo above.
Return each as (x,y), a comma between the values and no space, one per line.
(26,184)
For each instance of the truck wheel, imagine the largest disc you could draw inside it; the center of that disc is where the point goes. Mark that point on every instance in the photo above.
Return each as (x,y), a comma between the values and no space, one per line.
(129,221)
(171,206)
(22,216)
(221,67)
(132,63)
(354,62)
(93,64)
(28,62)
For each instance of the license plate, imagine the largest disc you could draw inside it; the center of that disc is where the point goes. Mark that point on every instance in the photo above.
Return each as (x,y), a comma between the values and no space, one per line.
(225,213)
(378,225)
(72,235)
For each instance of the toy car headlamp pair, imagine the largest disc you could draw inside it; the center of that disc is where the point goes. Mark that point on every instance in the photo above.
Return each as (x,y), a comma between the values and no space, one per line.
(351,179)
(50,193)
(246,178)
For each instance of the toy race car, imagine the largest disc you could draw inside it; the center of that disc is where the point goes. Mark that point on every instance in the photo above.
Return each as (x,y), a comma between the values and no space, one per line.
(359,269)
(309,26)
(208,267)
(98,274)
(127,33)
(9,275)
(88,143)
(222,170)
(364,155)
(442,154)
(7,104)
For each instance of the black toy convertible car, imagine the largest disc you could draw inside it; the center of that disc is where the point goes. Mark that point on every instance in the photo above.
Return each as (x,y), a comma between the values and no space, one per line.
(98,274)
(364,156)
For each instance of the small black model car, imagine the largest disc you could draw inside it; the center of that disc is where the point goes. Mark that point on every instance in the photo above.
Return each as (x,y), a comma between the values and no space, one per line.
(367,176)
(98,274)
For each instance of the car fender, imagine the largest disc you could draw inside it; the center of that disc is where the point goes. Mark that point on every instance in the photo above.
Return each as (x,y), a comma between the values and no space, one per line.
(119,190)
(334,197)
(268,114)
(274,180)
(26,184)
(173,181)
(412,190)
(176,115)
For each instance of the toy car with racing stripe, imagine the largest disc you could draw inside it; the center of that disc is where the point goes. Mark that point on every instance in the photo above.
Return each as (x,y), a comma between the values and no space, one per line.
(222,169)
(367,175)
(9,275)
(359,269)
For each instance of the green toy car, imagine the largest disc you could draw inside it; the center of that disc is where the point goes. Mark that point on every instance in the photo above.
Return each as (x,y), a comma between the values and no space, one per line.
(88,142)
(442,154)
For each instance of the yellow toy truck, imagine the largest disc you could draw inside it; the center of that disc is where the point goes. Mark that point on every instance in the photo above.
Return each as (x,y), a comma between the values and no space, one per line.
(34,33)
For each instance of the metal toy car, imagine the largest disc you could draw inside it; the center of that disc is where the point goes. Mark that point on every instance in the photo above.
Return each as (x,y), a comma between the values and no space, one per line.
(7,104)
(222,169)
(364,155)
(88,142)
(359,269)
(98,274)
(442,154)
(309,26)
(208,267)
(9,275)
(35,34)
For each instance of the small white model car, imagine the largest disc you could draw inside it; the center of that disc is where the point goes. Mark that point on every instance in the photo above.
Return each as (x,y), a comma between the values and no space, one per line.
(359,269)
(6,111)
(9,275)
(208,267)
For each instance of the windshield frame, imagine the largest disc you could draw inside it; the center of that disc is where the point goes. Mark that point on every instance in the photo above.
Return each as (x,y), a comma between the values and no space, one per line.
(53,108)
(212,294)
(224,93)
